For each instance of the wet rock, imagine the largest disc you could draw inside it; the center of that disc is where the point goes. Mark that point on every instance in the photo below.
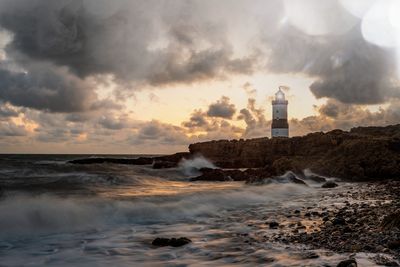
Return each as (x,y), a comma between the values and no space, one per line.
(175,158)
(164,164)
(356,155)
(347,263)
(173,242)
(212,175)
(178,242)
(291,177)
(391,221)
(137,161)
(308,255)
(160,242)
(394,244)
(316,178)
(329,184)
(338,221)
(273,225)
(382,260)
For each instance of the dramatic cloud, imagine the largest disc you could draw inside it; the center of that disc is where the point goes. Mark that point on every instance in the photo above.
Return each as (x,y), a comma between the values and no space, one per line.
(346,66)
(337,115)
(11,129)
(69,70)
(222,108)
(256,124)
(112,122)
(46,87)
(197,120)
(155,132)
(7,111)
(153,41)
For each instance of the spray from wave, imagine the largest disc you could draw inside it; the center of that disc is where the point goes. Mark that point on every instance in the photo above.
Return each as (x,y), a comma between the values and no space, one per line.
(29,215)
(191,167)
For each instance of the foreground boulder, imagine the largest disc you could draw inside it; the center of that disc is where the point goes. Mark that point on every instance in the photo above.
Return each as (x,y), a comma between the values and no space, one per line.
(329,184)
(173,242)
(250,176)
(364,153)
(347,263)
(219,175)
(316,178)
(391,221)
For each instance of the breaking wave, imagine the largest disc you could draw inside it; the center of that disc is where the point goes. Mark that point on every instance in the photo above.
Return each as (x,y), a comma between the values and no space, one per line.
(23,214)
(191,167)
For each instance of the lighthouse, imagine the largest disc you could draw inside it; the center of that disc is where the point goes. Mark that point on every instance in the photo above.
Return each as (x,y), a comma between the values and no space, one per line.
(280,126)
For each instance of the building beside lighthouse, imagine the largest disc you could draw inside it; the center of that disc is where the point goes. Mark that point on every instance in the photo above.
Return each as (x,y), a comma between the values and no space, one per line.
(280,125)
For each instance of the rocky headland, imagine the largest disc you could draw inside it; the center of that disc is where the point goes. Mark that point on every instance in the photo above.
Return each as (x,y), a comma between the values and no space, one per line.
(361,154)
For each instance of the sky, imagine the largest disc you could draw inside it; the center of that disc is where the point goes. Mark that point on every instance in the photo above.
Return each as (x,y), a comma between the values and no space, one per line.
(151,77)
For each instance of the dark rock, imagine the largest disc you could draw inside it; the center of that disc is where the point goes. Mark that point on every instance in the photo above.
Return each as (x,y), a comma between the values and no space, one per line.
(338,221)
(178,242)
(361,154)
(316,178)
(309,255)
(329,184)
(160,242)
(173,242)
(394,244)
(382,260)
(293,179)
(126,161)
(347,263)
(273,225)
(164,164)
(391,221)
(174,158)
(212,175)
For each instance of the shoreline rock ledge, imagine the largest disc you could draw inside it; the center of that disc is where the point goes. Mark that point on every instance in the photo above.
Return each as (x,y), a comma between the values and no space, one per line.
(363,153)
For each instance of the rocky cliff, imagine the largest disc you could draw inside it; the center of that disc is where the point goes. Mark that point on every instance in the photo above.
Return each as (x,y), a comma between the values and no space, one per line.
(362,153)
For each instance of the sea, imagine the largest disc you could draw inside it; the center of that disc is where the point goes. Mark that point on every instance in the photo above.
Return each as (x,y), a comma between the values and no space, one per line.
(53,213)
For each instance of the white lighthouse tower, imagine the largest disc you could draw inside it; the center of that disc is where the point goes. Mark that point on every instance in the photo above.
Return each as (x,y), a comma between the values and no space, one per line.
(280,126)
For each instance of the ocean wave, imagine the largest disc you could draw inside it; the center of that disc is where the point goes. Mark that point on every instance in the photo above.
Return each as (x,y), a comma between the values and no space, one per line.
(191,167)
(31,215)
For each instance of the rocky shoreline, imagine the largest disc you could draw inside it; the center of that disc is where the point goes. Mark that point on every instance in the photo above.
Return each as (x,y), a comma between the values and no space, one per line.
(363,218)
(361,154)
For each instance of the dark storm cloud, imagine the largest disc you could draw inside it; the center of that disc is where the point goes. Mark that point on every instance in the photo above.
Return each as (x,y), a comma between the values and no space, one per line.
(45,87)
(330,109)
(73,34)
(222,108)
(346,67)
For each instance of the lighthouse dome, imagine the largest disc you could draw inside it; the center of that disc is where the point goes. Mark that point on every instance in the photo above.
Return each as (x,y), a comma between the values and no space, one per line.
(280,95)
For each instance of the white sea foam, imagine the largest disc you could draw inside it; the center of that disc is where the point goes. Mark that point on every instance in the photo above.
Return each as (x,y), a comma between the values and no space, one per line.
(191,167)
(27,215)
